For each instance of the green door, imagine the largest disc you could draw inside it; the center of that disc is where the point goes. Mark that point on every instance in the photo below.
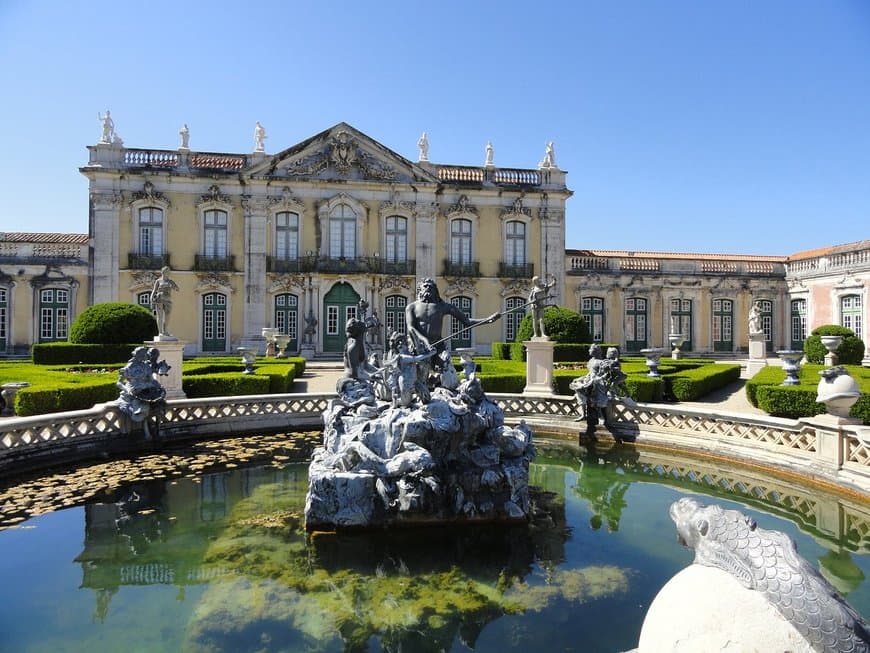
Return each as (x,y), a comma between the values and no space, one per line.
(723,321)
(214,322)
(798,323)
(4,312)
(767,323)
(287,318)
(681,321)
(635,324)
(339,305)
(463,338)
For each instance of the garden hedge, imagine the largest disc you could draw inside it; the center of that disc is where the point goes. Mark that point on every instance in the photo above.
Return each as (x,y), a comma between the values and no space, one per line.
(225,384)
(113,323)
(692,384)
(68,353)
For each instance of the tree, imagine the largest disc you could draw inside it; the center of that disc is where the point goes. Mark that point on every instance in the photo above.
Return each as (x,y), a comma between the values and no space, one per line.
(113,323)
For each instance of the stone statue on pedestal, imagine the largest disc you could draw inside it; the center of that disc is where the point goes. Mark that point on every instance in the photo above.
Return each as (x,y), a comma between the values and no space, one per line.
(537,297)
(141,391)
(161,301)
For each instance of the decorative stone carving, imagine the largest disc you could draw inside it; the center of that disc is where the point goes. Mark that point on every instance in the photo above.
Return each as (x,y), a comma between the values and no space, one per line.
(461,286)
(214,195)
(107,134)
(394,282)
(463,206)
(538,295)
(287,200)
(767,562)
(141,391)
(488,162)
(286,281)
(105,201)
(600,388)
(208,281)
(511,287)
(53,275)
(148,194)
(395,204)
(142,280)
(423,144)
(184,135)
(161,302)
(549,160)
(259,138)
(516,209)
(838,391)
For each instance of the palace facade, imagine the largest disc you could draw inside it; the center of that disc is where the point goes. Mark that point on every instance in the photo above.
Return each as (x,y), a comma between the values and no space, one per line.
(258,240)
(340,223)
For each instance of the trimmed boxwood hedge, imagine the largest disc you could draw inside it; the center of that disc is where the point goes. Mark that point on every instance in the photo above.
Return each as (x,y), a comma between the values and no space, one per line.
(765,392)
(225,384)
(69,353)
(691,384)
(40,399)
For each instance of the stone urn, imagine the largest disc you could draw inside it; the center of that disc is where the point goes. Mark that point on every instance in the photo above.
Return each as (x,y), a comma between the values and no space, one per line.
(249,357)
(831,343)
(791,363)
(653,356)
(8,394)
(676,341)
(281,341)
(838,391)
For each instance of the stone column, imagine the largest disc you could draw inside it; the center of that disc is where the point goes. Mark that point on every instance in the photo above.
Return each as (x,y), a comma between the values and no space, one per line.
(539,368)
(255,273)
(104,256)
(553,251)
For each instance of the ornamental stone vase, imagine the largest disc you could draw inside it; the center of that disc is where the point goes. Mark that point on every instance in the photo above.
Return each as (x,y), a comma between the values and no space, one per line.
(838,391)
(831,343)
(653,355)
(249,356)
(791,364)
(676,341)
(282,340)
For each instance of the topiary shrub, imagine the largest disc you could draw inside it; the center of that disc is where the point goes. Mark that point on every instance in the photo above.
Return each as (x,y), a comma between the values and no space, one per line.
(113,322)
(562,325)
(850,351)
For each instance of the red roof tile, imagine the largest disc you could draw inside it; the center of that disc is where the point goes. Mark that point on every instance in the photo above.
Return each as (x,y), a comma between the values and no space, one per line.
(23,237)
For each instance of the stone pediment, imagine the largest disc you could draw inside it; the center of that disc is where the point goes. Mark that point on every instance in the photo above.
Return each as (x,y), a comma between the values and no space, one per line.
(342,153)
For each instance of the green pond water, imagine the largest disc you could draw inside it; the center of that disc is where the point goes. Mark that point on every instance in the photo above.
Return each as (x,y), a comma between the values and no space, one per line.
(221,563)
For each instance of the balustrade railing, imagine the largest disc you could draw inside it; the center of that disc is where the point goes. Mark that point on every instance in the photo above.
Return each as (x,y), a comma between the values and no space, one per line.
(468,269)
(49,439)
(152,158)
(516,271)
(137,261)
(203,263)
(518,177)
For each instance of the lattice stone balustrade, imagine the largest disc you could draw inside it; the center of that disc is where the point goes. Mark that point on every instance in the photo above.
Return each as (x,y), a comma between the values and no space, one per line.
(85,433)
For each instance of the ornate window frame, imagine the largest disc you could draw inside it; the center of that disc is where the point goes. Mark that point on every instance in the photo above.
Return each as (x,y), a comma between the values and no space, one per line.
(52,279)
(148,201)
(462,210)
(516,213)
(286,203)
(214,200)
(213,282)
(324,214)
(398,209)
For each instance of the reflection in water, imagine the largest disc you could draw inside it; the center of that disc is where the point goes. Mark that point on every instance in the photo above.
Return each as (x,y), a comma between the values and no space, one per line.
(233,546)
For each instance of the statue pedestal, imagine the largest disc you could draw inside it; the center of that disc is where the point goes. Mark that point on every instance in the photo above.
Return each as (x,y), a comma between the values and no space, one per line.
(307,351)
(539,367)
(171,350)
(757,354)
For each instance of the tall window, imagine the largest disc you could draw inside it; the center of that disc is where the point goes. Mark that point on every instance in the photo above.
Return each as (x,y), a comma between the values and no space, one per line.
(592,312)
(460,241)
(287,317)
(766,307)
(798,323)
(513,317)
(515,243)
(681,320)
(4,316)
(462,339)
(635,323)
(394,315)
(851,314)
(723,325)
(397,239)
(53,314)
(215,233)
(286,235)
(150,231)
(342,232)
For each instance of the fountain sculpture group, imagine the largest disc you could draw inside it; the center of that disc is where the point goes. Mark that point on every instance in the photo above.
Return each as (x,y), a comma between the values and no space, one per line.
(406,442)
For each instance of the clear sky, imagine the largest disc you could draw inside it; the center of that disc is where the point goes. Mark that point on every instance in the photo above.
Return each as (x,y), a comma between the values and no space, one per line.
(739,126)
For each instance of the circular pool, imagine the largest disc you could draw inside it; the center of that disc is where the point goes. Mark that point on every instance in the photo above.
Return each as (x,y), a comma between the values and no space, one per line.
(203,549)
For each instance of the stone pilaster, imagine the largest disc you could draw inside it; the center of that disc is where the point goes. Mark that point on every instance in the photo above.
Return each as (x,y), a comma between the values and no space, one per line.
(426,241)
(104,257)
(256,225)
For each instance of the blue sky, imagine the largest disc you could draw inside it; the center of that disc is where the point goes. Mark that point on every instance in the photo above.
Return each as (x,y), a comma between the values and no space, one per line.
(695,126)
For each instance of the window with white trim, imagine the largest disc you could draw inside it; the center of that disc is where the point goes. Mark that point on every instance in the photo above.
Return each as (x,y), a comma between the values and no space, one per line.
(342,232)
(286,235)
(53,314)
(215,240)
(851,314)
(460,241)
(513,316)
(396,239)
(592,312)
(150,231)
(515,243)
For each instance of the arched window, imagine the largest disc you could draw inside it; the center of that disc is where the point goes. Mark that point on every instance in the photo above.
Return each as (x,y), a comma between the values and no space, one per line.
(515,243)
(286,236)
(513,317)
(287,318)
(681,321)
(462,339)
(396,239)
(150,231)
(53,314)
(851,314)
(798,323)
(592,312)
(723,325)
(214,322)
(342,232)
(215,234)
(635,323)
(394,315)
(460,241)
